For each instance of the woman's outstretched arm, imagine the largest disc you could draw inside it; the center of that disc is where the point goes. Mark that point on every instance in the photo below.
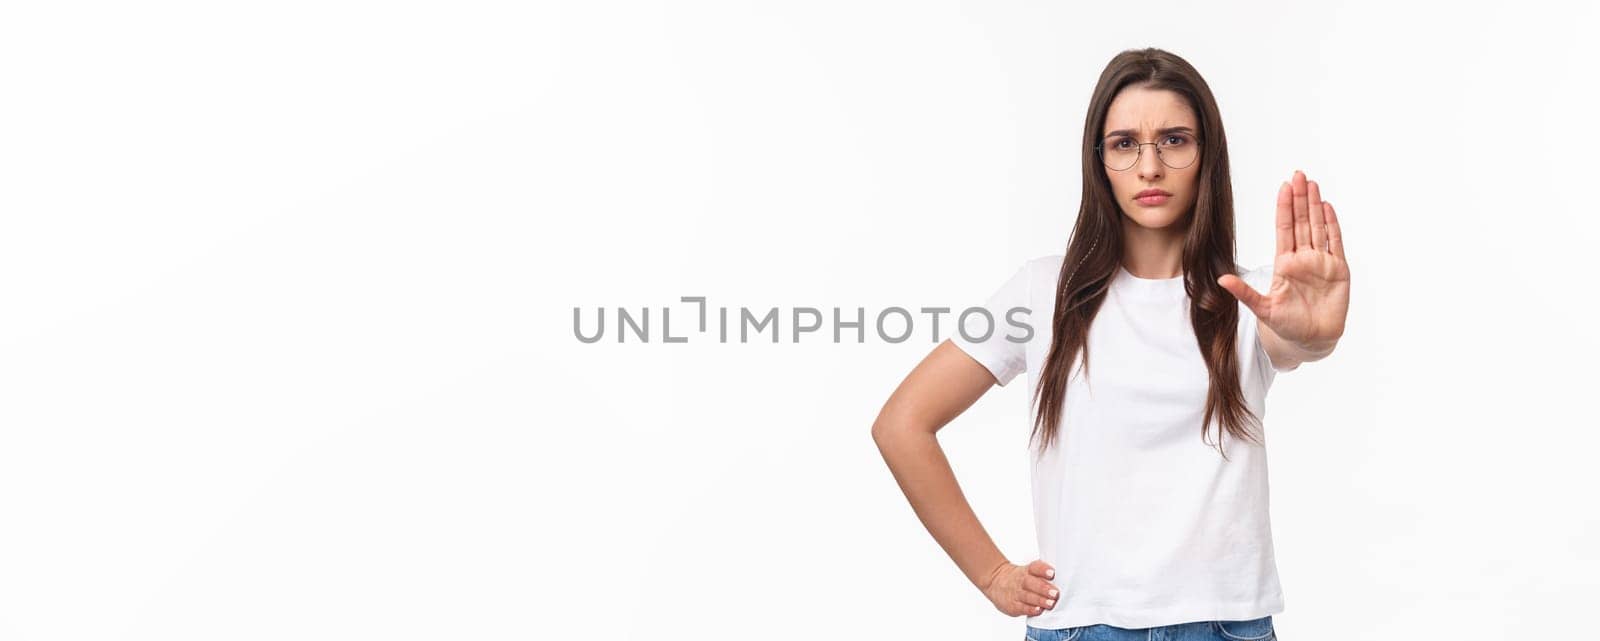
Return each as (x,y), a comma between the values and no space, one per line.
(938,389)
(1301,316)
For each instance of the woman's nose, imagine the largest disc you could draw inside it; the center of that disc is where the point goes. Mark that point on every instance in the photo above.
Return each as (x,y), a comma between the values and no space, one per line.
(1150,166)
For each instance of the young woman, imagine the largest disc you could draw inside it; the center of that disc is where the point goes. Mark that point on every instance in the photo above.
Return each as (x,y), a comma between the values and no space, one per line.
(1149,364)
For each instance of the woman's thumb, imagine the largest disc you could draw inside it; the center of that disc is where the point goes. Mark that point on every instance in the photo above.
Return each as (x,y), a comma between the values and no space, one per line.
(1242,291)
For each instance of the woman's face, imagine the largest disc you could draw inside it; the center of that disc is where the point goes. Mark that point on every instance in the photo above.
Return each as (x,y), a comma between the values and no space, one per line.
(1142,115)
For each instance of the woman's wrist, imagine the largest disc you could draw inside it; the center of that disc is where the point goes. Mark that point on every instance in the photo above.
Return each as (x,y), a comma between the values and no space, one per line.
(987,578)
(1309,351)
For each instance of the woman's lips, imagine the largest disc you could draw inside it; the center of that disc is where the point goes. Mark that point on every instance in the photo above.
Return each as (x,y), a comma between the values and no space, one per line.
(1152,200)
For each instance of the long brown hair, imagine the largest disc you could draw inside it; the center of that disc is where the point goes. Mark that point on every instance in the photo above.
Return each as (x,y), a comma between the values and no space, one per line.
(1095,251)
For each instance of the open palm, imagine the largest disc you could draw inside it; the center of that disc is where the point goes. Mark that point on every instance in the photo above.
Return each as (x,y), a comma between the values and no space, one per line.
(1309,297)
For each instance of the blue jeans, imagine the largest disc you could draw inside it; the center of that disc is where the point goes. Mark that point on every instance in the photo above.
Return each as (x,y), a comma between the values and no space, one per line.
(1252,630)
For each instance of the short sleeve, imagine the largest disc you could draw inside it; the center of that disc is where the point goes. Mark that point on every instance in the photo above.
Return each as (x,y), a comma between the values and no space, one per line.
(990,334)
(1260,279)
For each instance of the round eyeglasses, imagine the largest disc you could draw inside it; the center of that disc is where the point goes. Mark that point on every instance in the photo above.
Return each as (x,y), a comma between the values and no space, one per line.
(1177,150)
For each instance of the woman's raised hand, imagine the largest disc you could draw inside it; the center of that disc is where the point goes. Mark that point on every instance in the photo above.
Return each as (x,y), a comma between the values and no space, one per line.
(1310,292)
(1023,590)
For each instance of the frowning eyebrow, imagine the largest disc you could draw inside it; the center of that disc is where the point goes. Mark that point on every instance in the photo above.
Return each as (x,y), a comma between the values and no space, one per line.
(1164,130)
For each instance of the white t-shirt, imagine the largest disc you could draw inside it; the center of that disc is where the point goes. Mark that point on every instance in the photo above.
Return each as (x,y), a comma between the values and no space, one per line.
(1145,524)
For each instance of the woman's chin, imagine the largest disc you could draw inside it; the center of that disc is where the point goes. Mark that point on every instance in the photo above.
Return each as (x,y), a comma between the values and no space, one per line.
(1154,218)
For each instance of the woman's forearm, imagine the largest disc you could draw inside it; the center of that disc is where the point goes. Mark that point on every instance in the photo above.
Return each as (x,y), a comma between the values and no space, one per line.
(924,474)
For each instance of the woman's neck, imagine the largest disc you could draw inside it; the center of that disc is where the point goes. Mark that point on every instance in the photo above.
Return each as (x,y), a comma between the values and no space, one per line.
(1152,253)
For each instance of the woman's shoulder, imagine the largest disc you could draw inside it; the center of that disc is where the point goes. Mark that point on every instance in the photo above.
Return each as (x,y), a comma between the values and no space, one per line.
(1045,265)
(1043,271)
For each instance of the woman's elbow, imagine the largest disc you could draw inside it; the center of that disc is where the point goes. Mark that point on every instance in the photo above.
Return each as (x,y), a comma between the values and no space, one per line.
(891,428)
(882,432)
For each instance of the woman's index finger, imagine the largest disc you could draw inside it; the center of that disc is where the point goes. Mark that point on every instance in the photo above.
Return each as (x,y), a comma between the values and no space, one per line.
(1285,219)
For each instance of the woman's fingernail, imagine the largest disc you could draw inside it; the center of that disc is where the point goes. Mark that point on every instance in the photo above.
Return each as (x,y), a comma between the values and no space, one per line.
(1050,574)
(1050,604)
(1053,594)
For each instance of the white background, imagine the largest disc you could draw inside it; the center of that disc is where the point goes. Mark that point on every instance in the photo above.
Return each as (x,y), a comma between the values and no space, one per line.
(286,296)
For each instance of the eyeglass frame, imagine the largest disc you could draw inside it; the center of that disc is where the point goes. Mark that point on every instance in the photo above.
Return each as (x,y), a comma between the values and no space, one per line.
(1099,150)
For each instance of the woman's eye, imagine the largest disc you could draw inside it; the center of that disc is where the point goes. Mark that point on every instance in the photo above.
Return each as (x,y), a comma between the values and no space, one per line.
(1120,144)
(1173,141)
